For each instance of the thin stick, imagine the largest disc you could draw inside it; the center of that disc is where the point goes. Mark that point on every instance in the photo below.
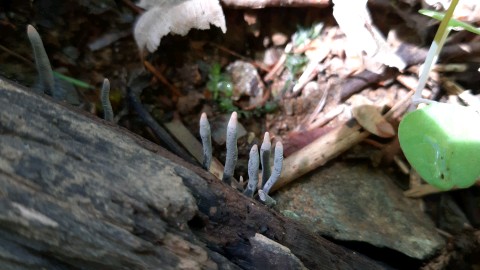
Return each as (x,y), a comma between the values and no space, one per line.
(174,91)
(20,57)
(227,50)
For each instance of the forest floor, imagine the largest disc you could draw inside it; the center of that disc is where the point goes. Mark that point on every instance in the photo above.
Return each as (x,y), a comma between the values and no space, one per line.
(292,72)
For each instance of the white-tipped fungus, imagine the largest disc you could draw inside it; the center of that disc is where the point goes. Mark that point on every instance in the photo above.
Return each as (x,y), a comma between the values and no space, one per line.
(265,150)
(105,99)
(277,170)
(253,163)
(205,135)
(232,151)
(44,69)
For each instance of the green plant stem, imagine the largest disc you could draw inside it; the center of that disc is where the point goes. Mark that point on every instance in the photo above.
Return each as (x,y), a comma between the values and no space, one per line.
(434,51)
(73,81)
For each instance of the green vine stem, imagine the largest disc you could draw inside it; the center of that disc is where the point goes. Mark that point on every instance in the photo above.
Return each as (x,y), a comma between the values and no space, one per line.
(434,51)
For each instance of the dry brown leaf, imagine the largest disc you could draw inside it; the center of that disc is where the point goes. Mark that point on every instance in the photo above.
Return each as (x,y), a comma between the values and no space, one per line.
(370,118)
(178,17)
(354,20)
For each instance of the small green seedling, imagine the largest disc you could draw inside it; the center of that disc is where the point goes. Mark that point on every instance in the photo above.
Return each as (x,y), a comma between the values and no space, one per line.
(221,87)
(442,141)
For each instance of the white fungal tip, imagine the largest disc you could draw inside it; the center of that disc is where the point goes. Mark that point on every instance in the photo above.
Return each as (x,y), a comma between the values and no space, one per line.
(232,123)
(254,149)
(233,118)
(279,146)
(266,144)
(204,121)
(32,33)
(266,137)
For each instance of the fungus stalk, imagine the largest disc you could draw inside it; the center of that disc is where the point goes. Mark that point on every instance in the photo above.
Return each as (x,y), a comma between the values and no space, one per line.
(205,135)
(277,170)
(105,98)
(253,163)
(232,151)
(265,158)
(44,69)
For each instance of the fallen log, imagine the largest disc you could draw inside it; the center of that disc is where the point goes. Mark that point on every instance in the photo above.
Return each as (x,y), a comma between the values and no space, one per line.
(77,192)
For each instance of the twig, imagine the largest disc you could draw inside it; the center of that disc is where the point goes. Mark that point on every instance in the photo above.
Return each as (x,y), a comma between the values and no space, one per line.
(227,50)
(173,90)
(279,65)
(133,7)
(20,57)
(321,103)
(160,132)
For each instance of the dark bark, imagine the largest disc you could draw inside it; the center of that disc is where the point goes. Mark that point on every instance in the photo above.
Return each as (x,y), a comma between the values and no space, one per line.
(79,193)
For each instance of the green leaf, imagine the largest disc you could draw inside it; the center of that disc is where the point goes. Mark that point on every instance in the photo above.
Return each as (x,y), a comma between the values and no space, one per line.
(73,81)
(442,142)
(453,23)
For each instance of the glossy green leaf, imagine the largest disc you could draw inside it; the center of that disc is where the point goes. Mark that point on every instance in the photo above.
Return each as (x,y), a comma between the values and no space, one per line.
(452,23)
(442,142)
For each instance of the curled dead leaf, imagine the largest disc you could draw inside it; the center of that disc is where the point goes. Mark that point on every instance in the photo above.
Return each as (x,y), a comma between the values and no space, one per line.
(370,118)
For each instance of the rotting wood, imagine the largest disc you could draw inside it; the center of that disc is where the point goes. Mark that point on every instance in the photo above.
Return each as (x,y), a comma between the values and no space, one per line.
(78,192)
